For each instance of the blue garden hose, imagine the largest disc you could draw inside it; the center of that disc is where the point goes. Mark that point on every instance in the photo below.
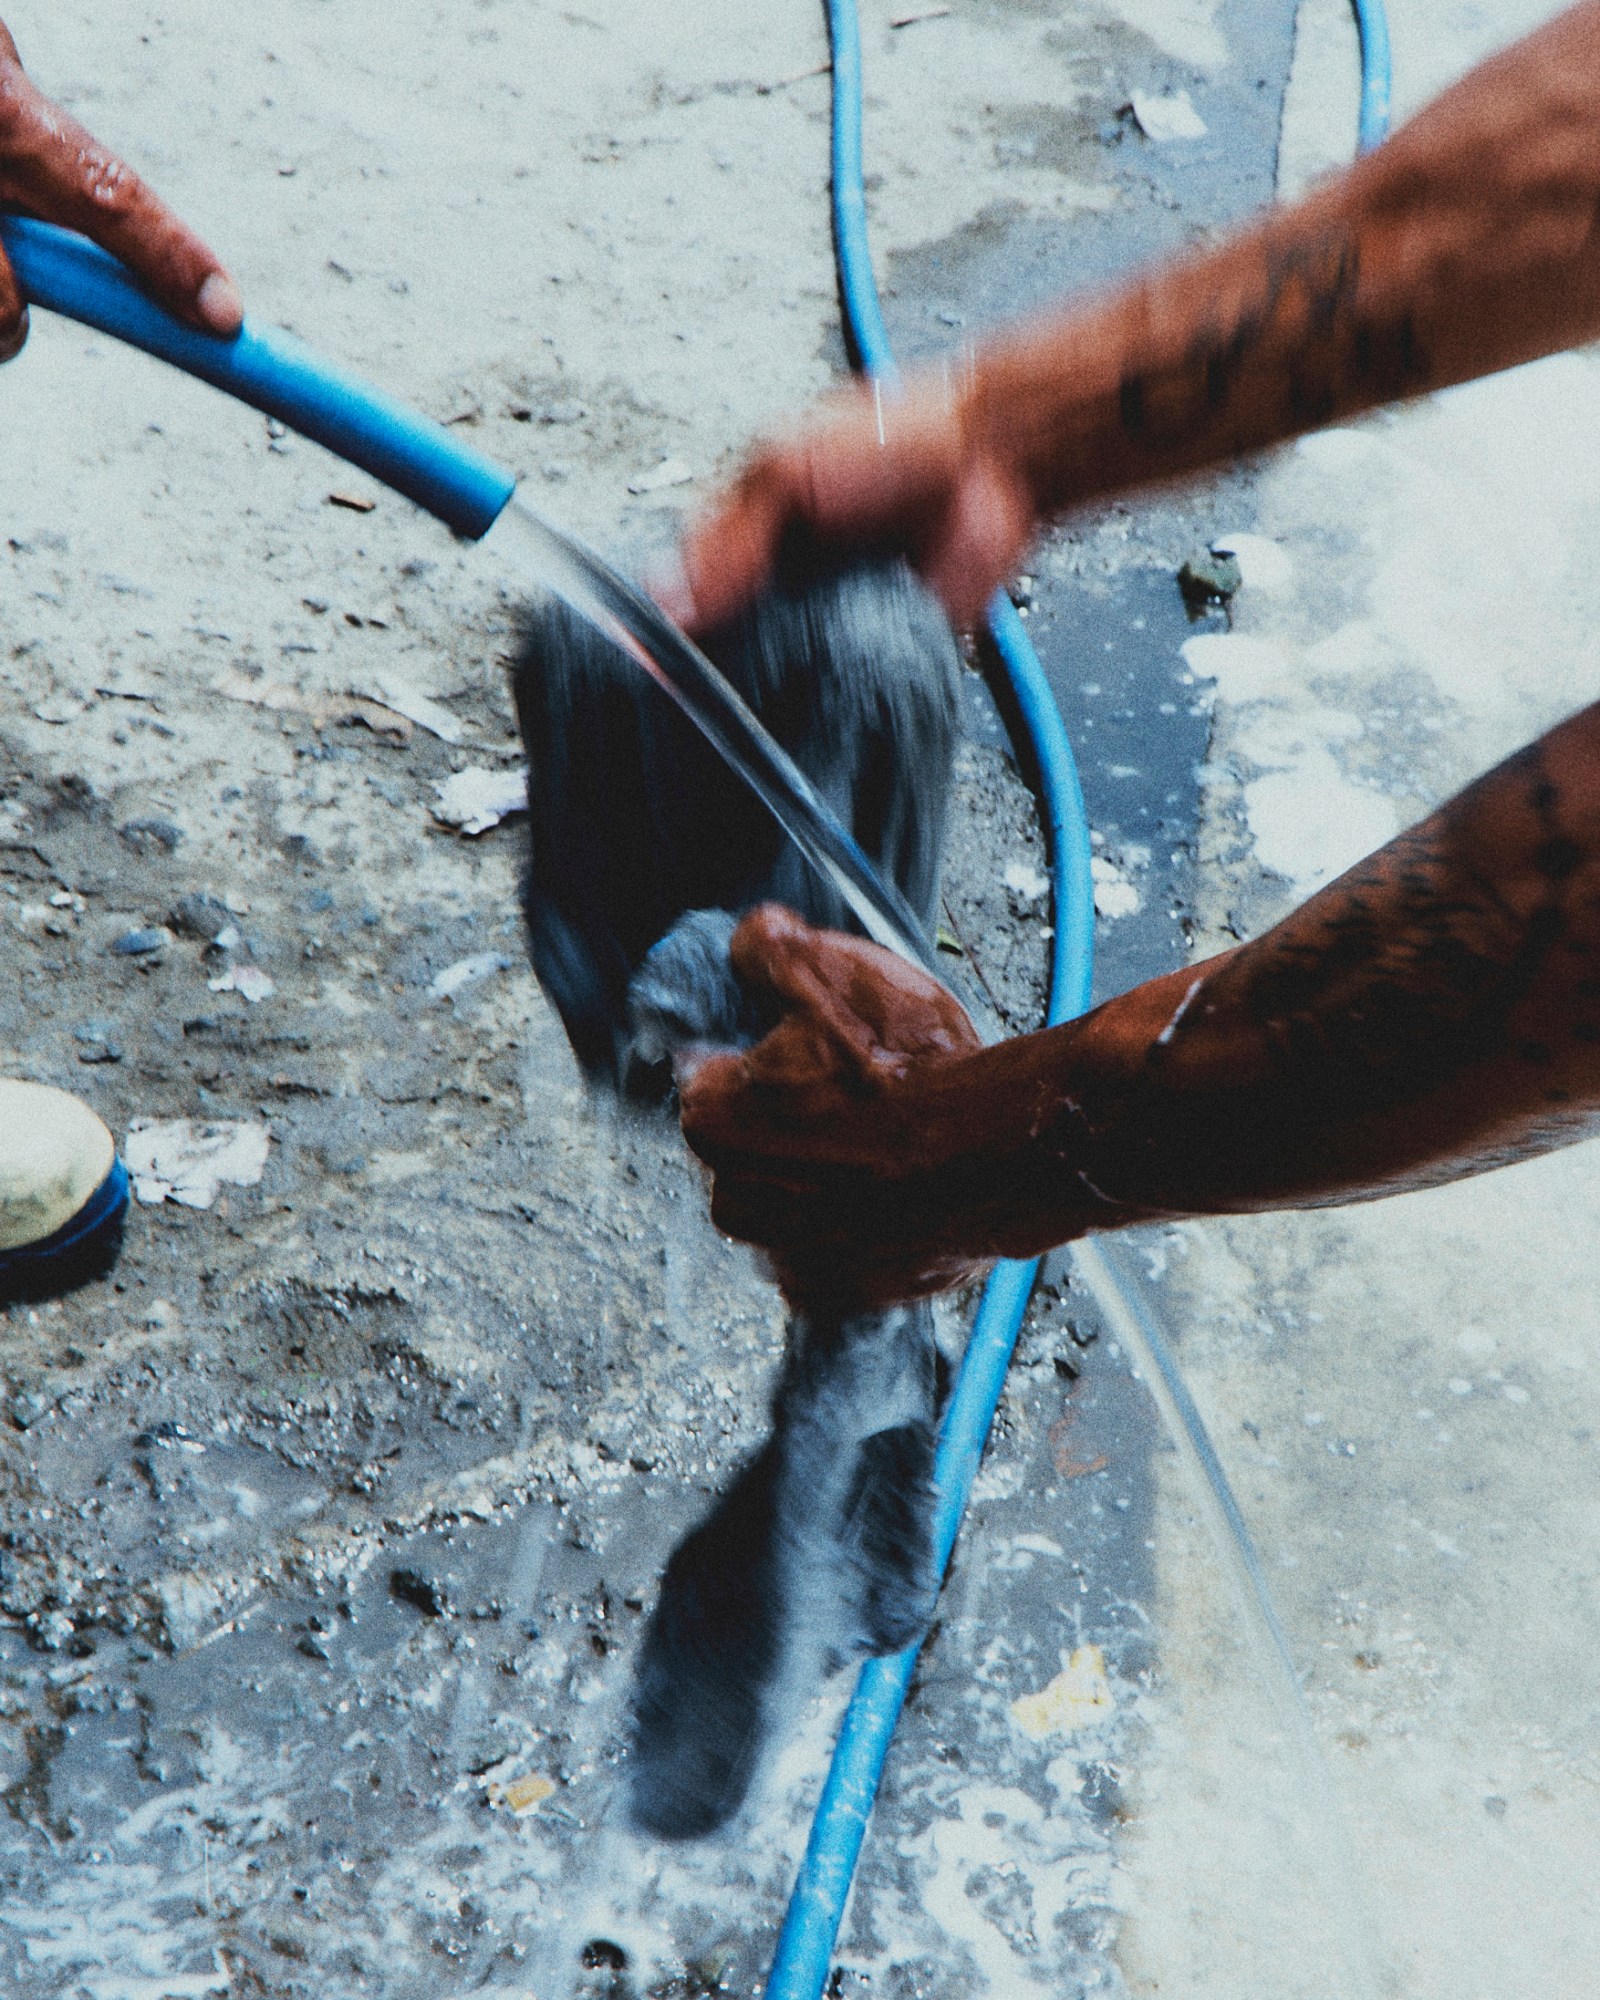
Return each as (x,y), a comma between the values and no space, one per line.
(1372,25)
(270,370)
(816,1906)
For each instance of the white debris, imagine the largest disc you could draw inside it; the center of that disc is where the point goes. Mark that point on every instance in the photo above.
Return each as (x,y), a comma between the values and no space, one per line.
(1309,822)
(318,707)
(167,1986)
(467,972)
(1078,1698)
(394,691)
(1038,1545)
(476,799)
(670,472)
(1167,115)
(186,1160)
(248,981)
(1114,894)
(190,1607)
(1244,666)
(1263,564)
(1025,880)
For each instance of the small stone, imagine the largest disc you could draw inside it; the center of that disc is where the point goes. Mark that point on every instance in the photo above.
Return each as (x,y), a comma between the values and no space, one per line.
(144,836)
(669,472)
(1209,579)
(603,1954)
(51,1631)
(248,981)
(26,1408)
(421,1592)
(145,942)
(199,915)
(97,1042)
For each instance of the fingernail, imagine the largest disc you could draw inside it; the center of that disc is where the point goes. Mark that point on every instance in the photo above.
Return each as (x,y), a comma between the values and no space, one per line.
(12,343)
(219,304)
(669,586)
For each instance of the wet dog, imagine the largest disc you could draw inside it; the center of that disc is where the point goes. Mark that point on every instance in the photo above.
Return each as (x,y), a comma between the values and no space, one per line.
(645,850)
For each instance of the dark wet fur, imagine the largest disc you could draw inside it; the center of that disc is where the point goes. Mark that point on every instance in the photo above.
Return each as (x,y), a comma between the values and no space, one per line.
(644,851)
(820,1551)
(635,820)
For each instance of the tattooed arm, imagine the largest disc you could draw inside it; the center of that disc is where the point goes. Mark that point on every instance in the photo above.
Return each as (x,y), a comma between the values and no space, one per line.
(1468,243)
(1432,1014)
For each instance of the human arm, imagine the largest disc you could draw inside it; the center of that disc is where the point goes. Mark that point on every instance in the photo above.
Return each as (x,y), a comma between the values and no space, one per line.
(1466,244)
(1432,1014)
(52,168)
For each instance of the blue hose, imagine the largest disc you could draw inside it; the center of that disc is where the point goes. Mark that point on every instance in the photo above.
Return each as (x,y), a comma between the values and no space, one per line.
(816,1907)
(270,370)
(1372,25)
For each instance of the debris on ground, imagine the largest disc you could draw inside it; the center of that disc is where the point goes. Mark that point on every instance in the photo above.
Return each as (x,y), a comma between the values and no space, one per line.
(467,972)
(1167,115)
(1263,563)
(1209,578)
(670,472)
(476,799)
(1078,1698)
(248,981)
(187,1160)
(390,688)
(319,707)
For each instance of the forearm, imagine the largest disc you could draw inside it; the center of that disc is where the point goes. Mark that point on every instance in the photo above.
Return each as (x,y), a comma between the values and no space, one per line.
(1433,1013)
(1467,244)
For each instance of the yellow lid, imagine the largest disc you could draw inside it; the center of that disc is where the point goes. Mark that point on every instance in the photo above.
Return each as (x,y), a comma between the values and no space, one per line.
(54,1153)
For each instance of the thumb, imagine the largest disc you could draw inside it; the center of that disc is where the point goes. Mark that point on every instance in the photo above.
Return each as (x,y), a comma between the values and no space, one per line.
(13,312)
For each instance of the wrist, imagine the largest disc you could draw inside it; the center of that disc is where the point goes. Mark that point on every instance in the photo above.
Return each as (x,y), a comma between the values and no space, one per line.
(1037,409)
(1016,1146)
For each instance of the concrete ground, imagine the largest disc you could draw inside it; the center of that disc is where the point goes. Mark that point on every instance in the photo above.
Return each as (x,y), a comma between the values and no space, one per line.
(326,1526)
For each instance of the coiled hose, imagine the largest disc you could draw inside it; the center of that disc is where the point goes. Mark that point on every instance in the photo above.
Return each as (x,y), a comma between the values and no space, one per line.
(816,1906)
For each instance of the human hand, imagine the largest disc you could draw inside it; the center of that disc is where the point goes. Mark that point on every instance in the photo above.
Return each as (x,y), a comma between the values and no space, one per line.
(51,168)
(877,472)
(837,1141)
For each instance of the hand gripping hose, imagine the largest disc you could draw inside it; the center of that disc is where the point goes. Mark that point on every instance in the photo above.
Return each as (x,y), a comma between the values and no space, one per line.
(816,1907)
(270,370)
